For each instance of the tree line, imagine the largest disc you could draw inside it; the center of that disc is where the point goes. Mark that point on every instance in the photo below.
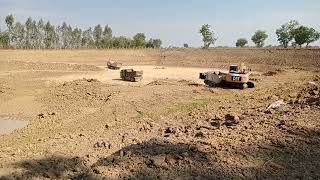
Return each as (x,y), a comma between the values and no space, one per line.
(291,32)
(34,34)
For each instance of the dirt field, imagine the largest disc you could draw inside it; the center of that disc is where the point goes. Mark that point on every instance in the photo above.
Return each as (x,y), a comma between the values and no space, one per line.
(85,123)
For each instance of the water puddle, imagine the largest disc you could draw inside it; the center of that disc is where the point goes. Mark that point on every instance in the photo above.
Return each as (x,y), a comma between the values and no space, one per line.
(9,124)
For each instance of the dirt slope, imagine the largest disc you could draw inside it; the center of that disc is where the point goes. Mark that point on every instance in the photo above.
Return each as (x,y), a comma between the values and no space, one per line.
(212,58)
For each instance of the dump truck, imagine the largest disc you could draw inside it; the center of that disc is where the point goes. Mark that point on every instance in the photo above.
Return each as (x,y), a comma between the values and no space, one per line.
(131,75)
(113,65)
(237,77)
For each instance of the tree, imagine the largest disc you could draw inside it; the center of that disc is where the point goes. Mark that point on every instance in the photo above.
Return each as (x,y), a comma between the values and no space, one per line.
(208,36)
(301,35)
(285,32)
(4,40)
(107,32)
(87,38)
(157,43)
(76,38)
(241,42)
(9,21)
(185,45)
(40,34)
(65,35)
(139,40)
(121,42)
(33,34)
(107,37)
(313,36)
(29,29)
(97,35)
(1,39)
(259,37)
(50,36)
(150,43)
(19,35)
(304,35)
(154,43)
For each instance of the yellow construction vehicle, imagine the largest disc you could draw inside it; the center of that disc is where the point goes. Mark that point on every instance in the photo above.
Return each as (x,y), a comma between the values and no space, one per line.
(237,77)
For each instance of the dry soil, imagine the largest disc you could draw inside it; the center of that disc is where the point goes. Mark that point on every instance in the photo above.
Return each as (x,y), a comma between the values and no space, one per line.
(85,123)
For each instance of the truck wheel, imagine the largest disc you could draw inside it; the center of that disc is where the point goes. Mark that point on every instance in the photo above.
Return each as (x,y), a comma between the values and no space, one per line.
(207,82)
(202,76)
(212,84)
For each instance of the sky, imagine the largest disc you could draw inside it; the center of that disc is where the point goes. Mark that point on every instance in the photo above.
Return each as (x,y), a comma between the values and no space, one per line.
(175,22)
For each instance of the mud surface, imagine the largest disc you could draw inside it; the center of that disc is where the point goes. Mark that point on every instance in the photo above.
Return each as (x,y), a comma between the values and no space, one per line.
(85,123)
(9,124)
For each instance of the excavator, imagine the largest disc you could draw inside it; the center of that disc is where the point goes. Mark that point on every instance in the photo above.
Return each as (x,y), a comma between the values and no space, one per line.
(237,77)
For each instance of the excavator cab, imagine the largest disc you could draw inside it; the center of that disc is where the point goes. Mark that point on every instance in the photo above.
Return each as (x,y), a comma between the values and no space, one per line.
(233,69)
(238,70)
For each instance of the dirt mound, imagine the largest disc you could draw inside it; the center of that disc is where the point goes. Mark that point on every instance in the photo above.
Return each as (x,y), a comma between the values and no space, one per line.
(270,73)
(174,82)
(309,95)
(160,82)
(189,83)
(82,93)
(156,158)
(273,73)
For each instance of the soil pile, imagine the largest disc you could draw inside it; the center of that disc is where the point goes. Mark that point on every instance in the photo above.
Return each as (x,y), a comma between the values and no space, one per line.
(83,92)
(309,95)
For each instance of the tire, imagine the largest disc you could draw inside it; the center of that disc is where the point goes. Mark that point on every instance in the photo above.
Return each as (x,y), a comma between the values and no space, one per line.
(202,76)
(250,84)
(210,84)
(207,82)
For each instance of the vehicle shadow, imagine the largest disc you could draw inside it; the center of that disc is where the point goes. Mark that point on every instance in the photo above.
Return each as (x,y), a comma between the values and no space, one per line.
(118,79)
